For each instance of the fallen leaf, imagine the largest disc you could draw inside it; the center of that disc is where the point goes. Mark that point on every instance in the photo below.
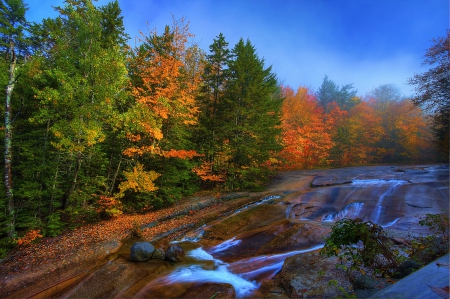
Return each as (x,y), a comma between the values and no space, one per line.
(442,292)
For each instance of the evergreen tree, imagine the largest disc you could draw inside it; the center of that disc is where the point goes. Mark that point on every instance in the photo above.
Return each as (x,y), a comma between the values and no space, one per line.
(208,134)
(330,92)
(250,117)
(13,43)
(80,87)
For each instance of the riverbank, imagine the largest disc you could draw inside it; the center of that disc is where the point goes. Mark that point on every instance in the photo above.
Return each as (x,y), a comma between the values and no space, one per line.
(80,261)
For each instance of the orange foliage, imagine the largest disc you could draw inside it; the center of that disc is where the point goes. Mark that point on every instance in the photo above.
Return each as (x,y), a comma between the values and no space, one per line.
(29,237)
(205,173)
(165,92)
(306,129)
(181,154)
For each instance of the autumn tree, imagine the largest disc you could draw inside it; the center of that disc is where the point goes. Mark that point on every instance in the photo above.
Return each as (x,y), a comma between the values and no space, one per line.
(306,133)
(165,81)
(433,90)
(356,136)
(402,126)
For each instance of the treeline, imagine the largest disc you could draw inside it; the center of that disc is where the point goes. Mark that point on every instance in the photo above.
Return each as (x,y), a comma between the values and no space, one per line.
(94,127)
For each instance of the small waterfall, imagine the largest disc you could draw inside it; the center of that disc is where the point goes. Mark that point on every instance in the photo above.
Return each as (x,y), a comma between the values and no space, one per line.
(380,206)
(245,276)
(349,211)
(225,245)
(264,200)
(197,236)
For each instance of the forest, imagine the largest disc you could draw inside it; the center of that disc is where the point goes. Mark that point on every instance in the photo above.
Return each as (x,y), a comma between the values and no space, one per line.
(94,128)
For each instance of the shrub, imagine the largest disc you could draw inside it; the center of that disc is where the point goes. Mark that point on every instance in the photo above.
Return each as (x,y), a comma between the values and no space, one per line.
(426,249)
(361,244)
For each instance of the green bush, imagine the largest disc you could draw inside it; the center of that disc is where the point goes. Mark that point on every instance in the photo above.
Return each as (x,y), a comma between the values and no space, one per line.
(361,244)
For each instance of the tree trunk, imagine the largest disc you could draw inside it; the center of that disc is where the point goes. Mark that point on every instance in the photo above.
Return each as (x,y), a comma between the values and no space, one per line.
(8,142)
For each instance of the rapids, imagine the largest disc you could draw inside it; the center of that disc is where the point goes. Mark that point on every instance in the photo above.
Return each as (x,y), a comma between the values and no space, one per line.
(235,254)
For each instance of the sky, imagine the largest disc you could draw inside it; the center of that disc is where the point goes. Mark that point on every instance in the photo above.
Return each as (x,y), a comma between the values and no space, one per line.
(366,43)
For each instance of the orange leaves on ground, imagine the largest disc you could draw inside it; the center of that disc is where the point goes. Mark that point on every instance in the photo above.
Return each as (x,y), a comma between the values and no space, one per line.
(29,237)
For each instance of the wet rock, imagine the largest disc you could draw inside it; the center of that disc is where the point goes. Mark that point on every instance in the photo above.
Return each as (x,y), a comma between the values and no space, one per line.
(141,251)
(189,290)
(312,276)
(406,268)
(174,253)
(158,254)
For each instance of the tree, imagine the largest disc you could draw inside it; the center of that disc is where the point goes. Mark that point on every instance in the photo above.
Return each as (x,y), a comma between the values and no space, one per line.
(330,92)
(13,42)
(404,134)
(356,136)
(249,117)
(208,135)
(306,132)
(80,85)
(433,89)
(165,80)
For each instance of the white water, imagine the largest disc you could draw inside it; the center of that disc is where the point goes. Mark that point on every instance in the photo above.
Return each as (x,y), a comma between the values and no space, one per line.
(225,245)
(349,211)
(265,199)
(245,276)
(380,207)
(377,182)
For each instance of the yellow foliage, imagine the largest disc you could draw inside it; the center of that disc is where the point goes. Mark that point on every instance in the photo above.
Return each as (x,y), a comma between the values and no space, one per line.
(139,180)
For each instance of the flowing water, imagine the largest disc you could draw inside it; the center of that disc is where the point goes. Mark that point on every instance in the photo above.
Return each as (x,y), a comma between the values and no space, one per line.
(249,246)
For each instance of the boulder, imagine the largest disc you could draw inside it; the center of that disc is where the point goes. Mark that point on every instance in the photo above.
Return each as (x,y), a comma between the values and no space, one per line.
(174,253)
(141,251)
(310,275)
(158,254)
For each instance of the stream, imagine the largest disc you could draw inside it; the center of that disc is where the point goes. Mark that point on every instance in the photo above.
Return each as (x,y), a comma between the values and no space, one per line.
(234,255)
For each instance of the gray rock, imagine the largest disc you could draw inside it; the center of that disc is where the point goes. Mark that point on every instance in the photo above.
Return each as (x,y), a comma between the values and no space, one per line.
(158,254)
(141,251)
(174,253)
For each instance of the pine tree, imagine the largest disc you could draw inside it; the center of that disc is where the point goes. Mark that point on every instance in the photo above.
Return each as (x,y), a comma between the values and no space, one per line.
(80,87)
(249,116)
(13,42)
(208,134)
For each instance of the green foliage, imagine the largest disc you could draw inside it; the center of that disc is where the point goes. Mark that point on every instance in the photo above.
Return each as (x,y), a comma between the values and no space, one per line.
(329,92)
(425,249)
(54,225)
(361,244)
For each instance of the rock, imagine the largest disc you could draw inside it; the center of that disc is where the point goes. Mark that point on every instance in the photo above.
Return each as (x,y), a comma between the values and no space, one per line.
(158,254)
(310,275)
(141,251)
(363,282)
(406,268)
(174,253)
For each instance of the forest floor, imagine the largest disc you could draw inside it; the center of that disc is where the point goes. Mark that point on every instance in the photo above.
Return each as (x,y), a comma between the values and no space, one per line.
(94,242)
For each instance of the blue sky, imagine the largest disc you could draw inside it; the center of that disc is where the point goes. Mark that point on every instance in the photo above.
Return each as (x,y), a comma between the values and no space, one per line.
(364,42)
